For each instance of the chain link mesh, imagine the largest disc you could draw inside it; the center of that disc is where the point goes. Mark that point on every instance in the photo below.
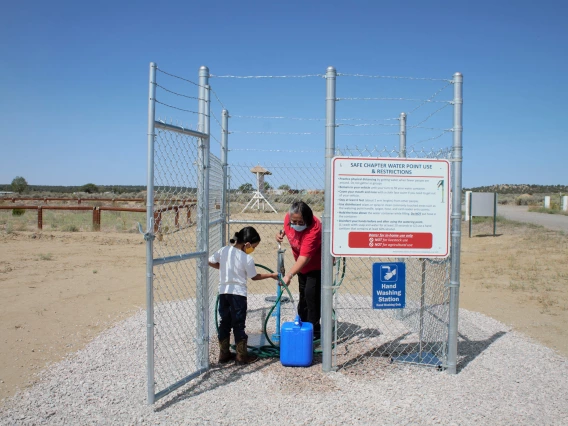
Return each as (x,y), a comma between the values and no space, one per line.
(265,208)
(418,333)
(174,284)
(361,335)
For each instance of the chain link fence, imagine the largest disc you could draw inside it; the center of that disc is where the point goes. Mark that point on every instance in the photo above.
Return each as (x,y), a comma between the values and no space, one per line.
(418,333)
(216,197)
(264,207)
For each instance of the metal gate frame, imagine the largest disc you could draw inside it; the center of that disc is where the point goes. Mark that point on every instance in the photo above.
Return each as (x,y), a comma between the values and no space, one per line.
(201,254)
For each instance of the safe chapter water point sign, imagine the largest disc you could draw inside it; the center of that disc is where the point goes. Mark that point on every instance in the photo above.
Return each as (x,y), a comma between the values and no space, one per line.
(390,207)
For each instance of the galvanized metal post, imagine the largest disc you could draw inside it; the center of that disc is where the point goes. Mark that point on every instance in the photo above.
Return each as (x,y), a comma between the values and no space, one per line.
(327,259)
(456,225)
(224,165)
(202,275)
(150,234)
(402,136)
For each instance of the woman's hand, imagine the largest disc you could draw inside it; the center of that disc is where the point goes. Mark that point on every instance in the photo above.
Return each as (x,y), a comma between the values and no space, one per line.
(280,237)
(286,279)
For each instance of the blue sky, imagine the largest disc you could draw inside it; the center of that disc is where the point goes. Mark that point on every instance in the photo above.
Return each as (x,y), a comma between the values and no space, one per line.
(75,81)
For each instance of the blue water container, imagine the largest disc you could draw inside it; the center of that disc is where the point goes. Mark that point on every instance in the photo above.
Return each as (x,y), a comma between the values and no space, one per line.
(296,343)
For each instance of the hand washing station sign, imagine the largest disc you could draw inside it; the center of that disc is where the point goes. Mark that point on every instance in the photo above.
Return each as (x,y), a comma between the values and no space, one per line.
(389,285)
(390,207)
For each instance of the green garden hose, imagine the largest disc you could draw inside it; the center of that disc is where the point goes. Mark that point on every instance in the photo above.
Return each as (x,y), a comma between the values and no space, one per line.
(271,350)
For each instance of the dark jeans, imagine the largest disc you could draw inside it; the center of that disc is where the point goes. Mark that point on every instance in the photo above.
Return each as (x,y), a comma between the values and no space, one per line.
(233,313)
(309,307)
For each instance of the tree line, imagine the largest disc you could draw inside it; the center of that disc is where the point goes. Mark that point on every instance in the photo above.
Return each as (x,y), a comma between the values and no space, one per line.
(520,189)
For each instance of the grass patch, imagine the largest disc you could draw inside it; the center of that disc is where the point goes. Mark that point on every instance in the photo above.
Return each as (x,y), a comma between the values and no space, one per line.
(70,228)
(548,211)
(46,256)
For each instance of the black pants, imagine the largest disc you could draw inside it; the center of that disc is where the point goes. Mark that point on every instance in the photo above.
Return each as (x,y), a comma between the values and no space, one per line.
(309,307)
(233,313)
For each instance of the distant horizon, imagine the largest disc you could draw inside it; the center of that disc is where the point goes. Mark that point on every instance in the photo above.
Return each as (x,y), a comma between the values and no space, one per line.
(77,84)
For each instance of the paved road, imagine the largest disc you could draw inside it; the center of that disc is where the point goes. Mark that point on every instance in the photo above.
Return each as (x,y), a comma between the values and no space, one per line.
(557,222)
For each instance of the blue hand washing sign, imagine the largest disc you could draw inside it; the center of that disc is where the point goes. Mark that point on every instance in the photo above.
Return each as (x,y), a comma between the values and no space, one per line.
(389,285)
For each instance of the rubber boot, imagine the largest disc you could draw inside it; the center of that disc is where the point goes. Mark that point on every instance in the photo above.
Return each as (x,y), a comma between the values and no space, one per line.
(243,357)
(225,354)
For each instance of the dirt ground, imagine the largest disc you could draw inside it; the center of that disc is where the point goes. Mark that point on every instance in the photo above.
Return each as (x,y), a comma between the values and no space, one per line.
(58,290)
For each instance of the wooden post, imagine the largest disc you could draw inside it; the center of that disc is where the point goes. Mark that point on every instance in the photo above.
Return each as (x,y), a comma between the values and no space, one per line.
(94,218)
(157,220)
(39,218)
(177,216)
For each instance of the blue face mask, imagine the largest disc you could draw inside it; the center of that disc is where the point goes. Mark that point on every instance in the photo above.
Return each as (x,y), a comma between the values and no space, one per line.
(298,228)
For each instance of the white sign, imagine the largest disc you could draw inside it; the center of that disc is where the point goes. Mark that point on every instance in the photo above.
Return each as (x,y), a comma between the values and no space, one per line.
(390,207)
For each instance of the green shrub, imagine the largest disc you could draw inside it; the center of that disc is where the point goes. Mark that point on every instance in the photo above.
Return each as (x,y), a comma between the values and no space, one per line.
(71,228)
(18,212)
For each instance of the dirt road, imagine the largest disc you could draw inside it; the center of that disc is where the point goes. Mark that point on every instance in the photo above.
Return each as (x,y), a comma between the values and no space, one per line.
(555,222)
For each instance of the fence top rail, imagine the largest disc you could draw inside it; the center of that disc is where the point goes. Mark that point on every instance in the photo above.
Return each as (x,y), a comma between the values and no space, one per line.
(179,129)
(47,207)
(140,200)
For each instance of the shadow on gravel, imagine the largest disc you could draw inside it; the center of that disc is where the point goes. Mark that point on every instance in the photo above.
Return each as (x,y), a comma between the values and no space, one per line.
(471,349)
(468,349)
(218,375)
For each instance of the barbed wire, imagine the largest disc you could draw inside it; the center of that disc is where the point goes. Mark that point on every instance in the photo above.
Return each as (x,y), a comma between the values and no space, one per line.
(217,97)
(179,94)
(365,124)
(390,99)
(430,98)
(180,109)
(195,84)
(278,150)
(429,116)
(277,117)
(392,77)
(275,133)
(367,119)
(431,139)
(368,134)
(267,76)
(178,77)
(217,140)
(216,119)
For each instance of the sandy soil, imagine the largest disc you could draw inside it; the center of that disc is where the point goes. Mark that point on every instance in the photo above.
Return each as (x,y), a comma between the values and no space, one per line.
(58,290)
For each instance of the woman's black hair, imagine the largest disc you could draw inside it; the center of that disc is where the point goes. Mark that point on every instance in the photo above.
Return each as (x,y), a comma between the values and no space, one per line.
(304,210)
(246,235)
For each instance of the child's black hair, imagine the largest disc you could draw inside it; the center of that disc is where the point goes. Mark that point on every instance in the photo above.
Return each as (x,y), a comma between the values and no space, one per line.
(246,235)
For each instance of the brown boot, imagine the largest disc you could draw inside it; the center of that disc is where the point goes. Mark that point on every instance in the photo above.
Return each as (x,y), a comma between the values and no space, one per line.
(243,357)
(225,354)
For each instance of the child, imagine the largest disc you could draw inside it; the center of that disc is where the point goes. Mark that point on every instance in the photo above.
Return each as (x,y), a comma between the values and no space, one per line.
(235,267)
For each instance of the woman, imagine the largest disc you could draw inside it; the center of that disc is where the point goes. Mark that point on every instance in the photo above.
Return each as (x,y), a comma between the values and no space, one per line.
(303,231)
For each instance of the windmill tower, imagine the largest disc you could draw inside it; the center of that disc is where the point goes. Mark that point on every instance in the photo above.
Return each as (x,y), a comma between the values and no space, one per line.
(258,196)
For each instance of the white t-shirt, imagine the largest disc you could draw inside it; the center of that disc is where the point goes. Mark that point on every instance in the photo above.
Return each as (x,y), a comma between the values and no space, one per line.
(235,268)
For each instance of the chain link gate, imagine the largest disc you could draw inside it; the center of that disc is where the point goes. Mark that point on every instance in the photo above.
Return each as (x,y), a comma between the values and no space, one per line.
(183,225)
